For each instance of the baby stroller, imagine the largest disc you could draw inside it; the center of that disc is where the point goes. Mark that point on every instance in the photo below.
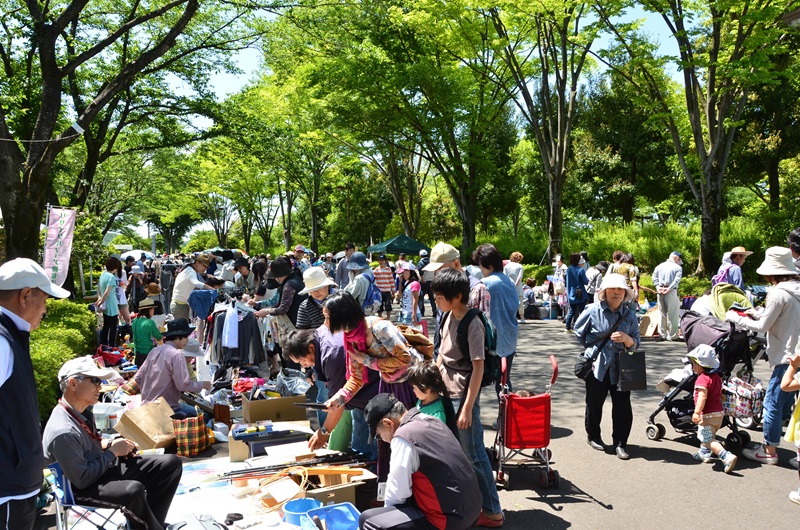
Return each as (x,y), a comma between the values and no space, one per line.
(732,347)
(524,423)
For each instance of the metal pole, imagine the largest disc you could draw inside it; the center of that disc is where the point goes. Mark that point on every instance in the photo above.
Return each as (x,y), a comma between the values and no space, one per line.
(80,271)
(47,227)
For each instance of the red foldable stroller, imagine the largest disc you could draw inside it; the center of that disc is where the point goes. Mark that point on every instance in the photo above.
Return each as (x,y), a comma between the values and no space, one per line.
(524,423)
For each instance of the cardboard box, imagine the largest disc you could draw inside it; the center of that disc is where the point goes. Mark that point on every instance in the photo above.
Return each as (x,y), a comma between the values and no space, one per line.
(275,409)
(345,492)
(238,451)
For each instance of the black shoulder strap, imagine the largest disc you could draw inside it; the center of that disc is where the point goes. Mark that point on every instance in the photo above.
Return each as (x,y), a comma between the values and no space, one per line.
(608,335)
(461,332)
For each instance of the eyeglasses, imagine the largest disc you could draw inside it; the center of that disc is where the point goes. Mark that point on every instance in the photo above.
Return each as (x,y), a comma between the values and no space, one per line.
(94,380)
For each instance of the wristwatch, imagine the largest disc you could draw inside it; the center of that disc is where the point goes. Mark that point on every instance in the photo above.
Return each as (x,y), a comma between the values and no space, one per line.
(323,430)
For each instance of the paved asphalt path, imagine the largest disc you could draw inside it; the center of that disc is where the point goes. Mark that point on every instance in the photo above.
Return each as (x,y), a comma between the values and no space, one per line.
(661,486)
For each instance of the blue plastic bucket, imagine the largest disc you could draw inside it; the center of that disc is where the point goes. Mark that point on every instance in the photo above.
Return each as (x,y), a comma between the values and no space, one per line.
(294,510)
(342,516)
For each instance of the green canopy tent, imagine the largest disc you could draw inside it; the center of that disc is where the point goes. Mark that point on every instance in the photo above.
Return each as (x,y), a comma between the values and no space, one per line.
(398,244)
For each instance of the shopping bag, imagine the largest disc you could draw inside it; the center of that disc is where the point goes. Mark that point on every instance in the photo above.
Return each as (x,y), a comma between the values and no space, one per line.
(131,388)
(149,425)
(417,340)
(191,435)
(281,327)
(632,371)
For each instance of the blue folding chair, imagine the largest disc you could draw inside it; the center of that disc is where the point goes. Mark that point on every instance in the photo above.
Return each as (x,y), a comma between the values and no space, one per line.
(65,502)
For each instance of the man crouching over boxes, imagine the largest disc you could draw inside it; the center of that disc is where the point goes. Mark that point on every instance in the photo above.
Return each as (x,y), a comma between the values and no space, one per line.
(105,473)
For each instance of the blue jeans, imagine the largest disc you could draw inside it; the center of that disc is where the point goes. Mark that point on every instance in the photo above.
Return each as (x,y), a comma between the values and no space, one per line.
(777,406)
(360,442)
(474,448)
(322,397)
(574,311)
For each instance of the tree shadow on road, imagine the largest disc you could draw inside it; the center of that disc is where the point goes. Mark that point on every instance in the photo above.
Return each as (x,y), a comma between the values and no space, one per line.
(533,518)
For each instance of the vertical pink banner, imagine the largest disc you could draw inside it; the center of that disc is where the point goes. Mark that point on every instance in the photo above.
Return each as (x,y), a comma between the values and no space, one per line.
(58,245)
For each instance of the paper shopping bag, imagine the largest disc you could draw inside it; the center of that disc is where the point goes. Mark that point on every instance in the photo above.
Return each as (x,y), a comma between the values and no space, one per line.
(150,425)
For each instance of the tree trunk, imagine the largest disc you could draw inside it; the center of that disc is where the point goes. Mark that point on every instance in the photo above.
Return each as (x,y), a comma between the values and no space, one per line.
(555,217)
(711,224)
(771,166)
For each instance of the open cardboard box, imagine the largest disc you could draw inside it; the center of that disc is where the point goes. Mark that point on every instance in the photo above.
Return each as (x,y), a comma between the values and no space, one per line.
(341,488)
(275,409)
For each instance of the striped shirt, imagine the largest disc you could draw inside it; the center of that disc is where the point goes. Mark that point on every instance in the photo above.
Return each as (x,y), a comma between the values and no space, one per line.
(384,279)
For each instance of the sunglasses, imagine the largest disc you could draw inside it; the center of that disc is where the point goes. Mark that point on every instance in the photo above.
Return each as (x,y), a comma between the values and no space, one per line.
(94,380)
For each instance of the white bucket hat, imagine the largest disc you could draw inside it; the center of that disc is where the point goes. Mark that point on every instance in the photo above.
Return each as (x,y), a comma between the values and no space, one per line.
(705,356)
(778,261)
(614,281)
(192,348)
(315,278)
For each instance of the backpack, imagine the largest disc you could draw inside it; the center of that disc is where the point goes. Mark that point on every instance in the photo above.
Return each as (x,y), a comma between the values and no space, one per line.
(491,361)
(373,298)
(721,276)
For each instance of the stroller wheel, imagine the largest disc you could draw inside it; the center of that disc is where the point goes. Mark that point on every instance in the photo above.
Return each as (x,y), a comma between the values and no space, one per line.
(555,479)
(655,431)
(502,480)
(746,439)
(734,441)
(749,423)
(544,479)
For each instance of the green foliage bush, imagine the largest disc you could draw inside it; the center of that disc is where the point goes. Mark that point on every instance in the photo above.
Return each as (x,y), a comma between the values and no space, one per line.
(68,331)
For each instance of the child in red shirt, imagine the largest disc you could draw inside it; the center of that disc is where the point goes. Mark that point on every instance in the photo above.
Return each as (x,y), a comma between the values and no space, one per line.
(708,406)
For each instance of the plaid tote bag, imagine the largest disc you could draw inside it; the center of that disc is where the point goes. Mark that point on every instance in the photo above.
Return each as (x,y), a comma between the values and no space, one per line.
(191,435)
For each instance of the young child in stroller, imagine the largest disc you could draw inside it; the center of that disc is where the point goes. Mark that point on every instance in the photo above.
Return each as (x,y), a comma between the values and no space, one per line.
(708,413)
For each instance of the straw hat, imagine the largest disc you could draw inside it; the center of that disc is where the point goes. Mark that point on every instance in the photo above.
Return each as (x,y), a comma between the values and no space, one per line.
(315,278)
(614,281)
(153,288)
(705,356)
(778,261)
(740,250)
(203,259)
(146,303)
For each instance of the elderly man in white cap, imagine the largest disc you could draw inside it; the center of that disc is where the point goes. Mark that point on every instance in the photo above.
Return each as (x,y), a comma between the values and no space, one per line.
(24,288)
(666,278)
(105,473)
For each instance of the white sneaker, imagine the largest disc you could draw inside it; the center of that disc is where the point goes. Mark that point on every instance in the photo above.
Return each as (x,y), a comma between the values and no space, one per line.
(760,455)
(794,496)
(702,456)
(730,462)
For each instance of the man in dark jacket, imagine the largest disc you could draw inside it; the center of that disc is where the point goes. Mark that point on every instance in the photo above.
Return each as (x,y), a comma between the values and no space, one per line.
(431,484)
(24,288)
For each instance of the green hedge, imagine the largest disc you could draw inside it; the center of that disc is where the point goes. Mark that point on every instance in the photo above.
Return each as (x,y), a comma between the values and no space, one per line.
(68,331)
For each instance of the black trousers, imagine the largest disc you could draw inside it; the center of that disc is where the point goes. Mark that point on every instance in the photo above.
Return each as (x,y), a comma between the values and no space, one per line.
(400,517)
(621,411)
(108,334)
(143,487)
(18,515)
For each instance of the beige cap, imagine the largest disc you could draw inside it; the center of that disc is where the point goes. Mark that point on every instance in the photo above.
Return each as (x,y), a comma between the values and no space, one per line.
(84,366)
(23,272)
(441,253)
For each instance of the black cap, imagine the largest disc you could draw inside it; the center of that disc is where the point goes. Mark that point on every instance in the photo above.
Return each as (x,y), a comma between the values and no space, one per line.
(241,262)
(376,409)
(382,256)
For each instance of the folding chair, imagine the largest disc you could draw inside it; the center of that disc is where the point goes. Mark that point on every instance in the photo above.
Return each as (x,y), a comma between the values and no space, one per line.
(65,502)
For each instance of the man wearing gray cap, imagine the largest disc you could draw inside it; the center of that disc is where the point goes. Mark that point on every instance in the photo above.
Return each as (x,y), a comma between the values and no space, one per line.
(105,473)
(666,278)
(24,288)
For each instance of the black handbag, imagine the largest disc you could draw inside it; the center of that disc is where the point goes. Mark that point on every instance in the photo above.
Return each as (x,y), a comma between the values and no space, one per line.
(583,366)
(632,370)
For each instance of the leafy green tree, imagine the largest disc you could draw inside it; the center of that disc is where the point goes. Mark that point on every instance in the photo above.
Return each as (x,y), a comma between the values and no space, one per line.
(384,77)
(49,47)
(725,50)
